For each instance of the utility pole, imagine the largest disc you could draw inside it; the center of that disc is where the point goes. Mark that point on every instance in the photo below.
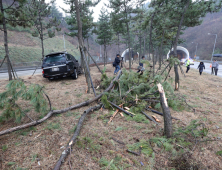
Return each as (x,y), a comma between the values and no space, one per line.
(214,44)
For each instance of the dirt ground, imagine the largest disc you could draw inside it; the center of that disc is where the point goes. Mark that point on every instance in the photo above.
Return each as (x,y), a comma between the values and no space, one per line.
(41,146)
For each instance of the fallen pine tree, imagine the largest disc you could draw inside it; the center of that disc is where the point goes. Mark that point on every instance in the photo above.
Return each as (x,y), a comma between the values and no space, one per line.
(74,137)
(53,112)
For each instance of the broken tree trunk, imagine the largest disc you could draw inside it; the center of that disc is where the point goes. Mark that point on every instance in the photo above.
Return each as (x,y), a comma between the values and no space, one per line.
(168,130)
(85,103)
(74,137)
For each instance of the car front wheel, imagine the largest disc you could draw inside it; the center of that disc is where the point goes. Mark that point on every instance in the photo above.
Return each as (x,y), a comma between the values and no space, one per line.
(75,74)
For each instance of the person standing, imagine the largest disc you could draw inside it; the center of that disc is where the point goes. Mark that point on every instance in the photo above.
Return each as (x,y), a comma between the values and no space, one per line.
(116,64)
(188,65)
(216,67)
(201,67)
(214,64)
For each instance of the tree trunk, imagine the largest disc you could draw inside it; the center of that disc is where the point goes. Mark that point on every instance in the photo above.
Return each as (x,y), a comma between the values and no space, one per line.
(129,46)
(177,78)
(175,46)
(106,57)
(104,50)
(144,45)
(81,44)
(128,34)
(118,45)
(87,53)
(179,29)
(160,51)
(41,37)
(151,44)
(140,47)
(6,42)
(168,130)
(41,34)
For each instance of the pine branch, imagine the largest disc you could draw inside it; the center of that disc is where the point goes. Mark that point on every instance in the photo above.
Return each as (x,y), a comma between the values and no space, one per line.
(53,112)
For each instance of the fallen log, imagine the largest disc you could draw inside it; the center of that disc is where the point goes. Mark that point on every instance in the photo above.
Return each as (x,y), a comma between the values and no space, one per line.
(150,118)
(118,141)
(74,137)
(159,113)
(85,103)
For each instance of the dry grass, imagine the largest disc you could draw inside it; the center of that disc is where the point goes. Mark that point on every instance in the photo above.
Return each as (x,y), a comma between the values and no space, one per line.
(44,143)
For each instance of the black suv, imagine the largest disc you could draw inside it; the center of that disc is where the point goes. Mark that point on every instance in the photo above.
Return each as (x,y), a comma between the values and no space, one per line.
(60,64)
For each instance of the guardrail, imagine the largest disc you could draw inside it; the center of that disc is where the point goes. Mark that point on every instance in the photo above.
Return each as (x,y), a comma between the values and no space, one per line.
(208,61)
(38,64)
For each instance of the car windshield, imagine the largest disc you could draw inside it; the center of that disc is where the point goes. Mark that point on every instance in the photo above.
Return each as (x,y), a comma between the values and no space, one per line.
(55,59)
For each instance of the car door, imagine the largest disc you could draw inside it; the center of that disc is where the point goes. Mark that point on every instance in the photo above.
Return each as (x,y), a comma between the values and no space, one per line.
(76,63)
(70,62)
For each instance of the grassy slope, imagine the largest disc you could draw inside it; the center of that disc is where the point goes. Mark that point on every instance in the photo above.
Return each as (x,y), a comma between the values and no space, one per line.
(25,48)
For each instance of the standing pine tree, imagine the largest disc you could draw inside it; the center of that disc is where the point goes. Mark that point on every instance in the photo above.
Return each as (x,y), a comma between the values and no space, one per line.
(44,25)
(87,24)
(123,10)
(11,14)
(76,8)
(104,31)
(118,29)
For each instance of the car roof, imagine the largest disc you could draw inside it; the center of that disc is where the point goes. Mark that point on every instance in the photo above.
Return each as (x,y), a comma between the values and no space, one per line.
(62,52)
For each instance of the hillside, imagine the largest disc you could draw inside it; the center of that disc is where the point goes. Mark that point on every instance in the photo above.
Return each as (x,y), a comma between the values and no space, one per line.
(25,48)
(212,23)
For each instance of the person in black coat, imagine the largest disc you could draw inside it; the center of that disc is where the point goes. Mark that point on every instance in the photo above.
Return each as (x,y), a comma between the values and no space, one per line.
(116,64)
(201,67)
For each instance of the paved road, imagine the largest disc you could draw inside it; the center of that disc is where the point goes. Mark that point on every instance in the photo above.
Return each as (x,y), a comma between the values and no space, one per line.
(207,68)
(30,72)
(21,73)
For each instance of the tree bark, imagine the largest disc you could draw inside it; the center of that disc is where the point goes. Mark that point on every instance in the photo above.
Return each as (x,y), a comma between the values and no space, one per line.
(74,137)
(175,46)
(128,34)
(104,50)
(6,41)
(168,130)
(177,78)
(140,47)
(130,56)
(179,28)
(144,48)
(160,51)
(151,44)
(118,45)
(85,103)
(88,51)
(81,44)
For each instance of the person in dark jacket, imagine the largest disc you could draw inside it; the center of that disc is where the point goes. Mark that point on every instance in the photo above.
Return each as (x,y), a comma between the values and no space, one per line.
(116,63)
(201,67)
(140,67)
